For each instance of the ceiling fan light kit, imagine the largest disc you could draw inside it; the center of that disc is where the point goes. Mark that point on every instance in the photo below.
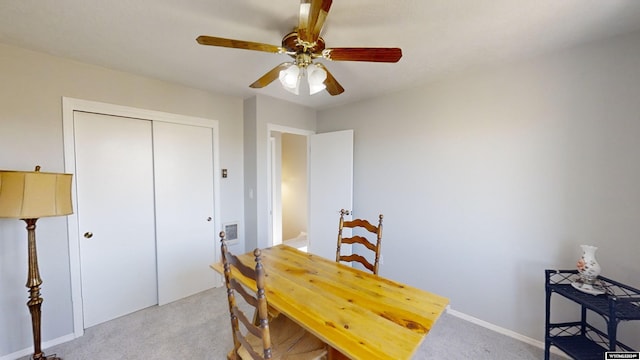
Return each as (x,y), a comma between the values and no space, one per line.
(304,44)
(291,77)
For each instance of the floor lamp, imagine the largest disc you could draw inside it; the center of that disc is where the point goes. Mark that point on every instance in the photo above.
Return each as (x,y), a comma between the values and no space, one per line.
(29,196)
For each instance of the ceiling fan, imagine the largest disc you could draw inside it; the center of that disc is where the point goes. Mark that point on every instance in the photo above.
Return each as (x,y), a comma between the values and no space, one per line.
(304,44)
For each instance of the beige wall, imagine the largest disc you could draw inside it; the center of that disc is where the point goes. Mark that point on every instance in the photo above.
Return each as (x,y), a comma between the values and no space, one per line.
(294,185)
(31,89)
(488,178)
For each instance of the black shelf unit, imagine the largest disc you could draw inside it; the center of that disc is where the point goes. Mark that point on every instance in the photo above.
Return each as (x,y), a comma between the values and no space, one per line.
(579,339)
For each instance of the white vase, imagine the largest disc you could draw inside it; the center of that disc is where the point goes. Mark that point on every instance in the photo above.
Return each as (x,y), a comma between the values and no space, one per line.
(588,266)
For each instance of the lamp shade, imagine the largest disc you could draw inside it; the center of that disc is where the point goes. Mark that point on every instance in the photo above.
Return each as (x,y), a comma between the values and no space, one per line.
(316,76)
(34,194)
(290,78)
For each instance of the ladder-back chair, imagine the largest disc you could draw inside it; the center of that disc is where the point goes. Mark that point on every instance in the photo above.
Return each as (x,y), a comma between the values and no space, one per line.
(358,239)
(263,338)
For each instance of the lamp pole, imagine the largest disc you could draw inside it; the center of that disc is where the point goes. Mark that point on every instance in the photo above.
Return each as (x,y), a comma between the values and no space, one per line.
(33,283)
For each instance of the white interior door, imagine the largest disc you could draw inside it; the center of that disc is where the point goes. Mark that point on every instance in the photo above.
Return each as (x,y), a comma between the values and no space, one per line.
(275,203)
(330,188)
(185,229)
(114,177)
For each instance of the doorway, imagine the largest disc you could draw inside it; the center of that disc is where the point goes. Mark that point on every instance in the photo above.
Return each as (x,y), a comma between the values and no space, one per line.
(329,188)
(289,188)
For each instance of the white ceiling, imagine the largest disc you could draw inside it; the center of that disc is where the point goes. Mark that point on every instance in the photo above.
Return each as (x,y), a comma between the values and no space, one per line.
(156,38)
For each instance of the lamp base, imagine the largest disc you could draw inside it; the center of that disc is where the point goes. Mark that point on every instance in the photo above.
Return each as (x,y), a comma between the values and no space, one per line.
(44,357)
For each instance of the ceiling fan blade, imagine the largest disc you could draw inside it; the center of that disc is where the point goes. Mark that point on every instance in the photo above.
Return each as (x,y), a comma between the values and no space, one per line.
(333,87)
(363,54)
(323,11)
(313,14)
(304,17)
(238,44)
(270,76)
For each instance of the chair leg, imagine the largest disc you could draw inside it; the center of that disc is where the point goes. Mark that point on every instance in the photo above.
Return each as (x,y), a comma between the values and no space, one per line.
(335,354)
(273,313)
(231,355)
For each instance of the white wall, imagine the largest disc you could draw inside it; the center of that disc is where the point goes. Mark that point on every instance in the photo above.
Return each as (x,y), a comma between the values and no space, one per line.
(265,111)
(484,179)
(488,178)
(31,92)
(250,172)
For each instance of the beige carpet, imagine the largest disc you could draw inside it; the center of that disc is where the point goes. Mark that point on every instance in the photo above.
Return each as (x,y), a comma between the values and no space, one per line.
(197,328)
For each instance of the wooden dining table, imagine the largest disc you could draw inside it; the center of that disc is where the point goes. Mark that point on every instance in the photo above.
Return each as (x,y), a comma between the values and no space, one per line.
(358,314)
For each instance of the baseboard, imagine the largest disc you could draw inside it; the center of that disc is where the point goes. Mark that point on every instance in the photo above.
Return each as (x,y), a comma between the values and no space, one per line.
(503,331)
(45,345)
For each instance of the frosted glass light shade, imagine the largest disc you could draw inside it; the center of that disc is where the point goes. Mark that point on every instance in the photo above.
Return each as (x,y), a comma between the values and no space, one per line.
(34,194)
(316,77)
(290,78)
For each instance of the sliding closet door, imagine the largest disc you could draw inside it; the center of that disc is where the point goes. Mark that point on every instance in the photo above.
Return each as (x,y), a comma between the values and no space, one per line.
(186,237)
(114,177)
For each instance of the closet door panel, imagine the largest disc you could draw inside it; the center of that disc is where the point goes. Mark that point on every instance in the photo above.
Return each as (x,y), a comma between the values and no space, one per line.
(114,176)
(186,238)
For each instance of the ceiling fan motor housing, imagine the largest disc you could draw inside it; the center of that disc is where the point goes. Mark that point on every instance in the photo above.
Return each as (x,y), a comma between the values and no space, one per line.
(292,43)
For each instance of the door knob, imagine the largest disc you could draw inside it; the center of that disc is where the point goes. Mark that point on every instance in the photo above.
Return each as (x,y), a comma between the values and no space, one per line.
(88,235)
(209,218)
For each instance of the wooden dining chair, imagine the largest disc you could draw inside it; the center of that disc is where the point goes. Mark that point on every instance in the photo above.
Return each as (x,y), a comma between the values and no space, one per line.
(263,338)
(358,239)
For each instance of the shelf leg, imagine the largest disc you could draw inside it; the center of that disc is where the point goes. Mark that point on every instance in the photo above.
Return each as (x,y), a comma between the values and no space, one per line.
(547,343)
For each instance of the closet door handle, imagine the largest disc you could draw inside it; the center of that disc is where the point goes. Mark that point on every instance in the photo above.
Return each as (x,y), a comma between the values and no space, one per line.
(88,235)
(209,218)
